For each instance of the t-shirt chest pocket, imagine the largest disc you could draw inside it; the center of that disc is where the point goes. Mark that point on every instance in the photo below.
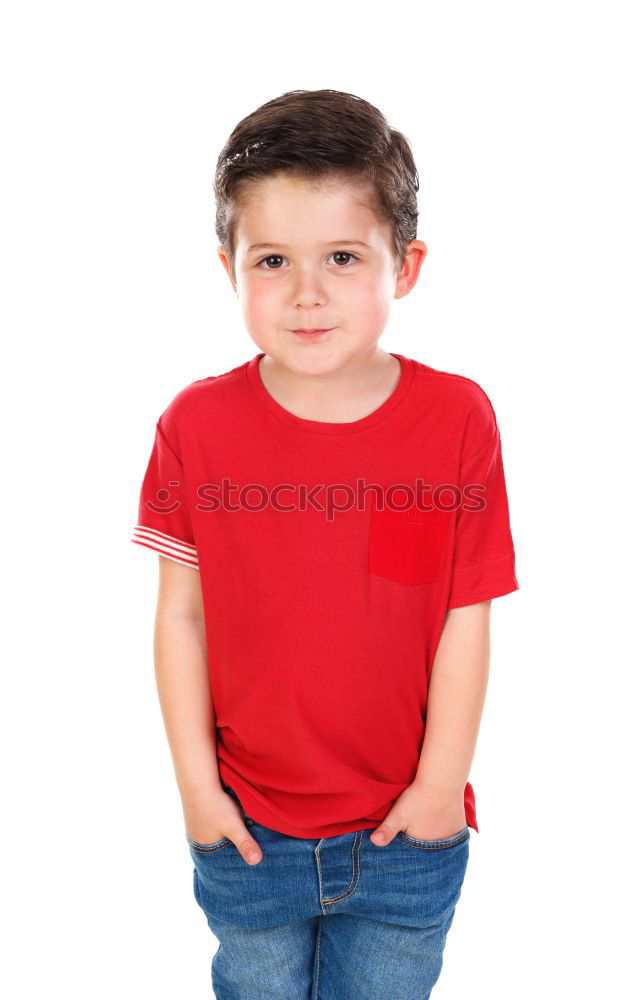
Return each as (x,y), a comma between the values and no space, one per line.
(406,546)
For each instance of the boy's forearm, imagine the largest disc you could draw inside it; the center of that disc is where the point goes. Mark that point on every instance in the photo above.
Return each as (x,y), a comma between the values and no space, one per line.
(455,700)
(185,698)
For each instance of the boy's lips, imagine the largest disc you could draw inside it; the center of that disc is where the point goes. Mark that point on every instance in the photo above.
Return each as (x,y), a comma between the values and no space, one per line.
(312,332)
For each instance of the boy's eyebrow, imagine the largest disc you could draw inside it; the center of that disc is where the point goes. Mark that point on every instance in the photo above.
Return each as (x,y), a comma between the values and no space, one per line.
(283,246)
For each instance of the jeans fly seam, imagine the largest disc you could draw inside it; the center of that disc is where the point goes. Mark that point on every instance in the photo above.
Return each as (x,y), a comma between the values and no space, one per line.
(353,885)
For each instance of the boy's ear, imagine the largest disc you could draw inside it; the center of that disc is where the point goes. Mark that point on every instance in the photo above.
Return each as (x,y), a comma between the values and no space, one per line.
(414,255)
(227,267)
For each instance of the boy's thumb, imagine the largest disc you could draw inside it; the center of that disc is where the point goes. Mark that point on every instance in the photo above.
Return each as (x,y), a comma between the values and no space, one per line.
(249,849)
(382,835)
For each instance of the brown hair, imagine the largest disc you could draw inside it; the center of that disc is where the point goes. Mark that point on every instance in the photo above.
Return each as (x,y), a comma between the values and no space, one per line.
(315,134)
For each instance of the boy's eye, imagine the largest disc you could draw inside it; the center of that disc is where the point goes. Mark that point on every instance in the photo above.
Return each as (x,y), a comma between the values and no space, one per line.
(343,253)
(278,257)
(274,257)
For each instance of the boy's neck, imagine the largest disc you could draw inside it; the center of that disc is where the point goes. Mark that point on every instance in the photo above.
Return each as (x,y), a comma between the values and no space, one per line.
(347,394)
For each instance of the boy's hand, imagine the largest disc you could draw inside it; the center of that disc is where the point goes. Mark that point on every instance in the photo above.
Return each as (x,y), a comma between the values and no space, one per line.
(213,815)
(424,813)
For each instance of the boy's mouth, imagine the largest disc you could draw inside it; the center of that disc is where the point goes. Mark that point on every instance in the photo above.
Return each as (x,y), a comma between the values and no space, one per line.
(313,332)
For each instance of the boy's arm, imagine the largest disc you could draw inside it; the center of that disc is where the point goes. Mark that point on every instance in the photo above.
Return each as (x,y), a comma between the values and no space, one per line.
(184,692)
(459,680)
(433,806)
(181,668)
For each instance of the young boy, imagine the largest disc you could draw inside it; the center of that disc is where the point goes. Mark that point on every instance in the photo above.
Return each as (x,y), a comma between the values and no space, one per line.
(332,525)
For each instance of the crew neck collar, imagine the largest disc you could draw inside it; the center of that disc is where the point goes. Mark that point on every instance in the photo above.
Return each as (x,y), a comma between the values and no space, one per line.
(326,427)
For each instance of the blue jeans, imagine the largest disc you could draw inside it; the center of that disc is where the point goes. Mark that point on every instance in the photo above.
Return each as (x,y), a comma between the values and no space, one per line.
(335,918)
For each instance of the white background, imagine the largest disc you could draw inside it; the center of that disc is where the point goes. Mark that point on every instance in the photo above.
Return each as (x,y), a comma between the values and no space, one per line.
(114,299)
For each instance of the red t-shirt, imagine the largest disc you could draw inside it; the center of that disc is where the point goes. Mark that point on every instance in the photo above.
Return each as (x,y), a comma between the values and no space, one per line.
(323,612)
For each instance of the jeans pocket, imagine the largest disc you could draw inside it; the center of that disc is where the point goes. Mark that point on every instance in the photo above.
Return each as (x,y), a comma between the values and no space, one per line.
(406,546)
(217,845)
(439,844)
(224,841)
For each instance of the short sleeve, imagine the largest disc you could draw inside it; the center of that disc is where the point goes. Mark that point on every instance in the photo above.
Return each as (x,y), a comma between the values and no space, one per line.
(484,558)
(164,524)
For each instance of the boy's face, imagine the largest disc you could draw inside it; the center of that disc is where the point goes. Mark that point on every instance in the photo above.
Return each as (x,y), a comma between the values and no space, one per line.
(314,271)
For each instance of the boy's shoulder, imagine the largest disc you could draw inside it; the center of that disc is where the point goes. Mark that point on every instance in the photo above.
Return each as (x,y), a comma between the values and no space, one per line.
(460,396)
(454,387)
(214,390)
